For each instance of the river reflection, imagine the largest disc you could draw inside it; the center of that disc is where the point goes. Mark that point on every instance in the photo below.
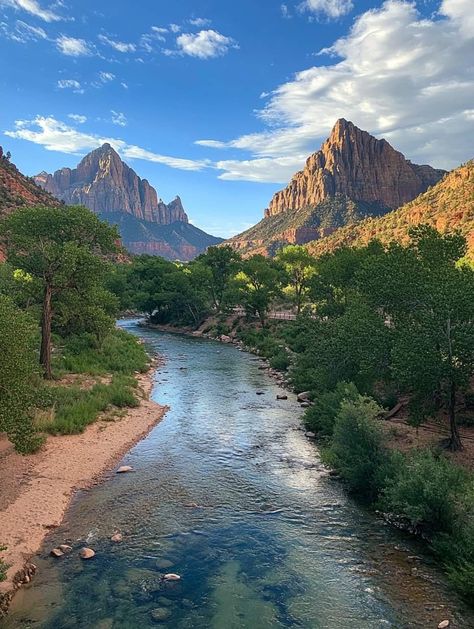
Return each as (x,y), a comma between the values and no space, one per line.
(229,494)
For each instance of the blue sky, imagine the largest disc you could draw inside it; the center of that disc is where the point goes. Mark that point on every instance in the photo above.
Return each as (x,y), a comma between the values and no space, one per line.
(219,101)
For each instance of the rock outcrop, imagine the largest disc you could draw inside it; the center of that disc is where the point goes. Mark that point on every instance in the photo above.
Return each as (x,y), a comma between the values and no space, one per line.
(104,183)
(354,164)
(110,188)
(352,176)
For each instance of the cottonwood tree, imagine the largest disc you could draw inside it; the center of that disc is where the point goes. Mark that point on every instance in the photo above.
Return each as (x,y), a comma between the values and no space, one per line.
(259,284)
(220,264)
(64,249)
(300,267)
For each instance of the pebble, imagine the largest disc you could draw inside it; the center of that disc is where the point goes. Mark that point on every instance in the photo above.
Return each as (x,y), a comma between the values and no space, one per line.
(124,469)
(56,552)
(86,553)
(117,538)
(65,548)
(171,577)
(444,624)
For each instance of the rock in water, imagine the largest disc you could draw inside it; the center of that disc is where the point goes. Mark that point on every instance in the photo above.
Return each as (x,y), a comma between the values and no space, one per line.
(124,469)
(65,548)
(56,552)
(444,624)
(303,396)
(86,553)
(282,397)
(171,577)
(309,434)
(160,614)
(117,538)
(164,564)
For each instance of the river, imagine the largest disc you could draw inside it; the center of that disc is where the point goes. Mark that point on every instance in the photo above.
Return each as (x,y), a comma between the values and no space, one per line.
(228,493)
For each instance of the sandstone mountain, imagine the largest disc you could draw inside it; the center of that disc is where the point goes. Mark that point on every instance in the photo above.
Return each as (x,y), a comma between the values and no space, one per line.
(447,206)
(110,188)
(354,175)
(17,191)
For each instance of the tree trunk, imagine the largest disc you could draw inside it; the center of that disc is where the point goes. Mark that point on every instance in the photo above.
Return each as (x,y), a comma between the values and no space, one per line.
(45,353)
(455,439)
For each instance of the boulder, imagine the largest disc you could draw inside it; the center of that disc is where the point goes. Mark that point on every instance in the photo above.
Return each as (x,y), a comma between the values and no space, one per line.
(304,396)
(444,624)
(124,469)
(260,392)
(282,397)
(309,434)
(225,339)
(56,552)
(86,553)
(305,404)
(117,538)
(160,614)
(65,548)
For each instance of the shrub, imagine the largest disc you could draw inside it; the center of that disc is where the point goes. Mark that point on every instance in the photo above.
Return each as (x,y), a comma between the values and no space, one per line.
(280,360)
(320,417)
(426,490)
(357,449)
(3,566)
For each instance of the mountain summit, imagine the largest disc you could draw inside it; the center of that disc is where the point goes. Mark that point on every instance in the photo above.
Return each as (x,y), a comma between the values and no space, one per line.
(352,176)
(110,188)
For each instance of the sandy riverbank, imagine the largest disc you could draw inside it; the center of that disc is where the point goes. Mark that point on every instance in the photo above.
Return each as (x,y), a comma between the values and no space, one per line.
(36,490)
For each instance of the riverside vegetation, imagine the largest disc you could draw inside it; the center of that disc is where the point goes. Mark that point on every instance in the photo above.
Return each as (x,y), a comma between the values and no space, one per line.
(372,324)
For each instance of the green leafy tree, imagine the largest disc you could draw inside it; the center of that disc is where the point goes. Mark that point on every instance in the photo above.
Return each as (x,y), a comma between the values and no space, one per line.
(63,248)
(427,298)
(259,284)
(17,375)
(300,267)
(220,265)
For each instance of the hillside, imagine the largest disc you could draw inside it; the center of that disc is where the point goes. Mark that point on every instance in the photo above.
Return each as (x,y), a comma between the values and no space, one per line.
(353,176)
(448,205)
(16,190)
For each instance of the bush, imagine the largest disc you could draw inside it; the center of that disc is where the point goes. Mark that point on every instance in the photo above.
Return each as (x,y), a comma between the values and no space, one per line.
(3,566)
(320,417)
(357,449)
(280,360)
(426,490)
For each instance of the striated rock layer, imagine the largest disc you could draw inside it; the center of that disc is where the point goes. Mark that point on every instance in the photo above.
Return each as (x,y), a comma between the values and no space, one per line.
(353,176)
(354,164)
(104,183)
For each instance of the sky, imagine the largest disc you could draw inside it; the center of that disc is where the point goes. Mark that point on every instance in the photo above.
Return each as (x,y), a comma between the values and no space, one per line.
(221,101)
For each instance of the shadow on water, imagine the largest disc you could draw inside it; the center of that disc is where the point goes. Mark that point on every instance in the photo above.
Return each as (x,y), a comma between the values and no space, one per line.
(229,494)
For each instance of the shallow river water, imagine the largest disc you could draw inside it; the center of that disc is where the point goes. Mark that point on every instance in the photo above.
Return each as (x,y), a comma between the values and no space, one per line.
(228,493)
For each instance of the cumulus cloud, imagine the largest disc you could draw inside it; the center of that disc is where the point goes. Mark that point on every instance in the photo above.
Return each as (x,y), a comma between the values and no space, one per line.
(33,8)
(119,46)
(395,74)
(73,47)
(78,118)
(22,32)
(205,44)
(55,135)
(329,8)
(199,22)
(118,118)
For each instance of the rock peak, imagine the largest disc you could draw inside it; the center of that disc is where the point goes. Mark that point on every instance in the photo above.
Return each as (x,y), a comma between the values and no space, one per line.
(354,164)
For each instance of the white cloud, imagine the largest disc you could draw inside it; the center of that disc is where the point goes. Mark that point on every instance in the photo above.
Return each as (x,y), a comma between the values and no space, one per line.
(120,46)
(285,11)
(33,8)
(118,118)
(330,8)
(73,47)
(199,22)
(22,32)
(262,170)
(55,135)
(205,44)
(70,84)
(395,74)
(106,77)
(175,28)
(78,118)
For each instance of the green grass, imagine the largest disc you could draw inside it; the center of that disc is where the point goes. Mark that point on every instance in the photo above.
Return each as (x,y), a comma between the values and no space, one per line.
(72,409)
(119,353)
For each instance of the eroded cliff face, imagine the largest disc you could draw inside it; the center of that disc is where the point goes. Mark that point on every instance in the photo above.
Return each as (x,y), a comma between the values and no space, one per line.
(104,183)
(354,164)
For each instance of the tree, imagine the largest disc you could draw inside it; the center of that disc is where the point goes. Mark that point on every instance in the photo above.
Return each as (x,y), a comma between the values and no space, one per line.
(300,267)
(17,372)
(259,284)
(427,299)
(63,248)
(221,264)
